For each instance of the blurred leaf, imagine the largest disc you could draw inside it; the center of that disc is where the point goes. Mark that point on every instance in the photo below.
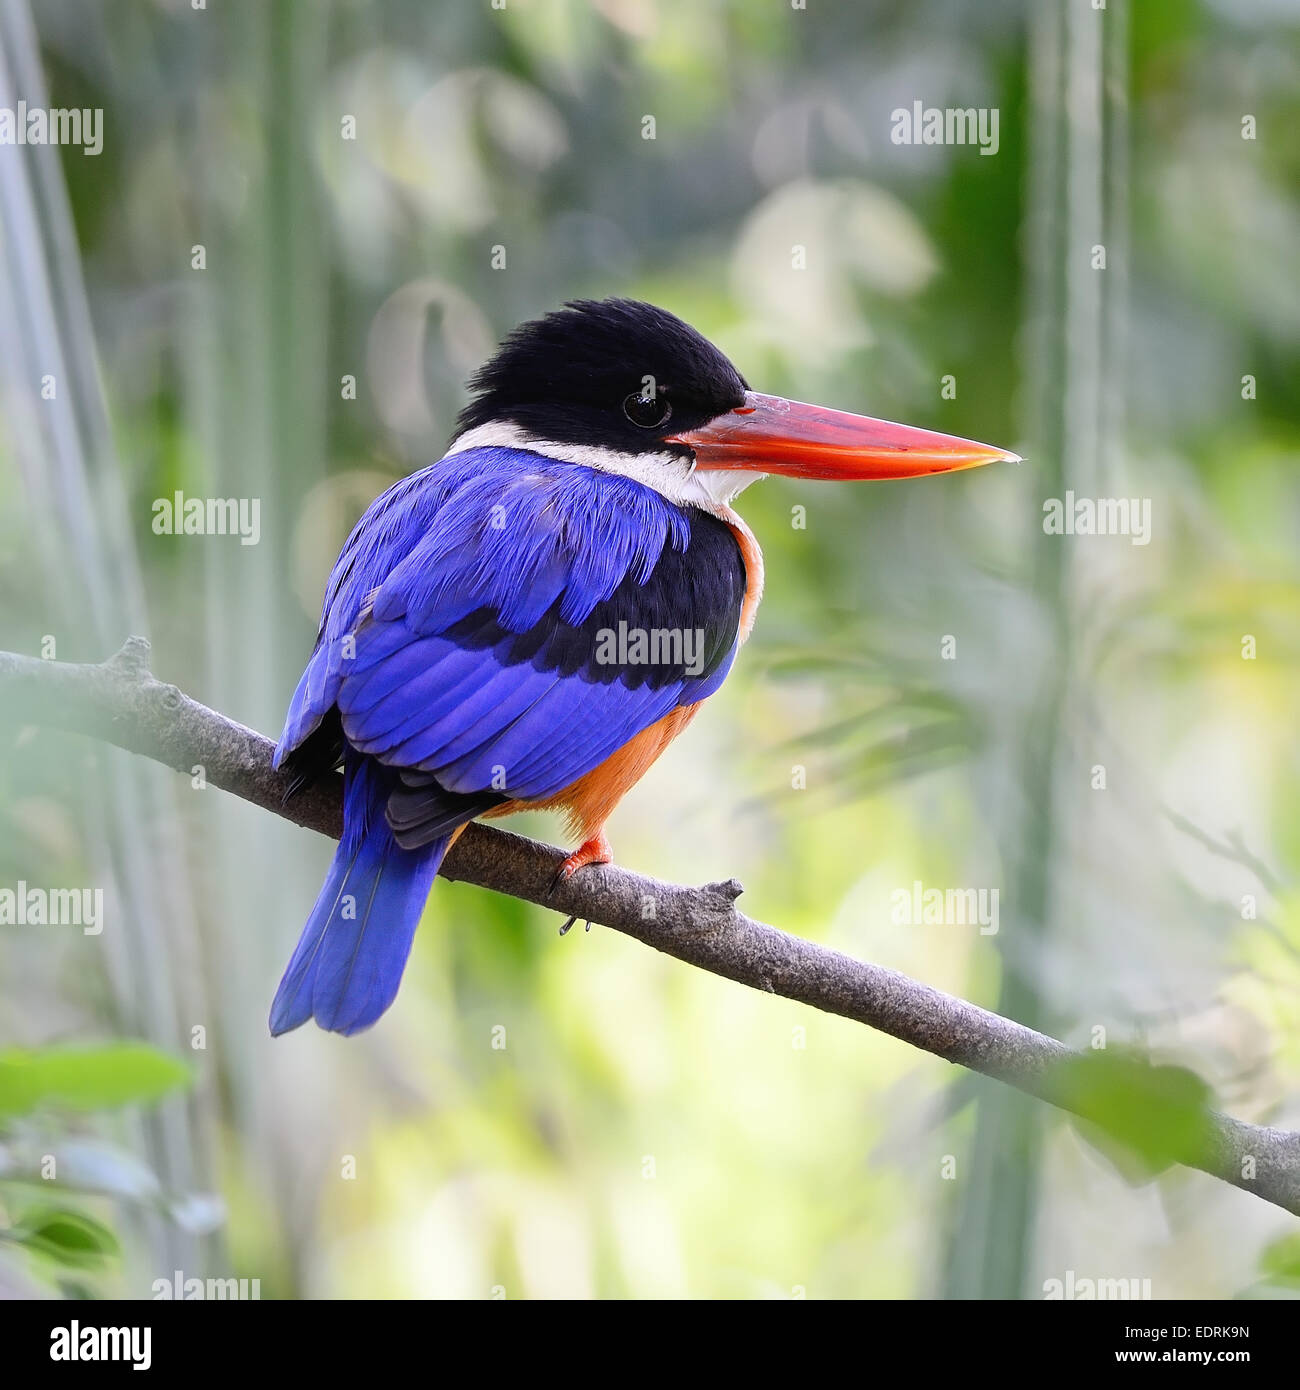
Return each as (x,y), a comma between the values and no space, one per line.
(1156,1114)
(67,1237)
(898,714)
(105,1169)
(81,1078)
(200,1213)
(1280,1262)
(82,1165)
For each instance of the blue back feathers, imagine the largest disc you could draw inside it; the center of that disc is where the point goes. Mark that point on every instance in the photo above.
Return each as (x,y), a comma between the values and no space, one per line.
(456,663)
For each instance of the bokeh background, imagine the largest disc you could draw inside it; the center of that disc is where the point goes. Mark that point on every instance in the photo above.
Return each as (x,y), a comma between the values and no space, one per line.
(380,190)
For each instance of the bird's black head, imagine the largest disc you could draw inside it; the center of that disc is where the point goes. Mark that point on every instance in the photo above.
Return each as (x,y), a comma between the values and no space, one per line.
(614,373)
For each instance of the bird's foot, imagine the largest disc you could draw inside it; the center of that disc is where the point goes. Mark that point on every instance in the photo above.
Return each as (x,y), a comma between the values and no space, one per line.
(597,850)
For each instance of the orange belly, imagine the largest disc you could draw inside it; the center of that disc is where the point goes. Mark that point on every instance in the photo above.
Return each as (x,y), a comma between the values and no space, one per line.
(589,802)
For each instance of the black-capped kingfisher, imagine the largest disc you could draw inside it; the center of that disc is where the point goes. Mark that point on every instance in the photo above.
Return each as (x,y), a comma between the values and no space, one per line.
(530,621)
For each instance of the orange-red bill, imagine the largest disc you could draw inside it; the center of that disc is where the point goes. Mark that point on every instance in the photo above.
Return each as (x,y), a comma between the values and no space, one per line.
(771,435)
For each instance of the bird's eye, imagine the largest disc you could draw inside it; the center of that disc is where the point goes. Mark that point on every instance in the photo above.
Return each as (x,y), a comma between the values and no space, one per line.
(647,411)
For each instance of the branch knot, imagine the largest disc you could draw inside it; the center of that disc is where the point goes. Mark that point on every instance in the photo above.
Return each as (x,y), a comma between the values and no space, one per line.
(132,658)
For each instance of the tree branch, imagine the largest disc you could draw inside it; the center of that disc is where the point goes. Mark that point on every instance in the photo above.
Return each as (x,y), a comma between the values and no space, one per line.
(122,703)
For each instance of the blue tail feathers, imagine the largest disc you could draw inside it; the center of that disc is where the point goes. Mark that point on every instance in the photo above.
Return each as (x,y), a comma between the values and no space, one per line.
(348,963)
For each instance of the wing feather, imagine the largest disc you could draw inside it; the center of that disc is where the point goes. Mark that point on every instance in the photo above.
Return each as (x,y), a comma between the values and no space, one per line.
(465,633)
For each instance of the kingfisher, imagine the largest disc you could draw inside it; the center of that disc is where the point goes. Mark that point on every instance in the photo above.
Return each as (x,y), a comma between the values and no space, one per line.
(529,622)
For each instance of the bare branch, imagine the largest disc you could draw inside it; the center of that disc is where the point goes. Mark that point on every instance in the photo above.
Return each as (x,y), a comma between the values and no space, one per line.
(1232,847)
(122,703)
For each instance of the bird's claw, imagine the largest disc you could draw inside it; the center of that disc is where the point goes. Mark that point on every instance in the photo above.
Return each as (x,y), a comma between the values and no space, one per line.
(597,850)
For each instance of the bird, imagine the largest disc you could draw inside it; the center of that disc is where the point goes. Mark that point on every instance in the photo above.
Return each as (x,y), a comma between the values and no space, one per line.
(530,621)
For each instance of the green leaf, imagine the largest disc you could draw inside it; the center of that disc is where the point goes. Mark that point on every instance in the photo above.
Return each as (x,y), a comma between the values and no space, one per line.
(86,1078)
(1157,1114)
(1280,1262)
(66,1237)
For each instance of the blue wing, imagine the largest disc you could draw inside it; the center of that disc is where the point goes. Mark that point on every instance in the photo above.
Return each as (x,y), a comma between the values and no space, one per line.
(466,637)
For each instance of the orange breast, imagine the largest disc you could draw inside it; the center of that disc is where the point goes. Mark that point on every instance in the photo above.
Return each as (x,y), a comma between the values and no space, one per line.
(589,802)
(753,558)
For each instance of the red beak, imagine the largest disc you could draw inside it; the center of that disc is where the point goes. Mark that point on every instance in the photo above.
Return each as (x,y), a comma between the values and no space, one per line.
(772,435)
